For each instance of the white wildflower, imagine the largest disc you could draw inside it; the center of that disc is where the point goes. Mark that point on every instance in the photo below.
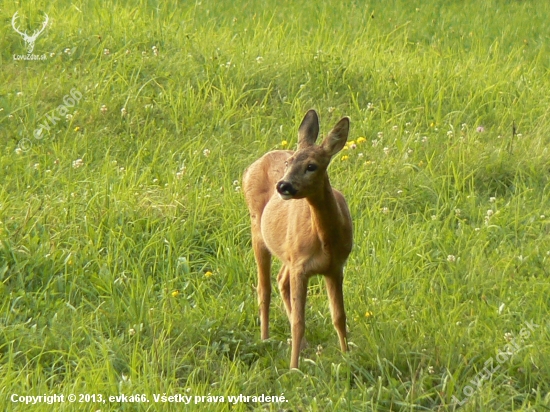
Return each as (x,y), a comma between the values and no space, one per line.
(78,163)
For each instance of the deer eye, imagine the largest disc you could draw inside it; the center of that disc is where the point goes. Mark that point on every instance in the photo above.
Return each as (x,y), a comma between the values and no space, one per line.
(311,167)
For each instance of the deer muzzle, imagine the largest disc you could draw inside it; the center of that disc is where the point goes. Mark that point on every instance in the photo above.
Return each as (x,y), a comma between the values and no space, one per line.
(286,190)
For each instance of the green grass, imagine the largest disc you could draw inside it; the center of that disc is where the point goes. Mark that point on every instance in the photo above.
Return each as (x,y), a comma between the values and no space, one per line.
(131,271)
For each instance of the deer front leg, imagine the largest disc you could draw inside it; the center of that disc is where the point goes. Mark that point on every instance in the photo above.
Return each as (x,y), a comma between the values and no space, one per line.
(298,293)
(283,280)
(336,302)
(263,261)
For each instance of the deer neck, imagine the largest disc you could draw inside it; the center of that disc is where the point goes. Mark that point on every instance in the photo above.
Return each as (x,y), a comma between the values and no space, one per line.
(326,216)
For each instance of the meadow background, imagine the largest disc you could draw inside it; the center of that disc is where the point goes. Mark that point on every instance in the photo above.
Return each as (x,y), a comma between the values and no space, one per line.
(125,257)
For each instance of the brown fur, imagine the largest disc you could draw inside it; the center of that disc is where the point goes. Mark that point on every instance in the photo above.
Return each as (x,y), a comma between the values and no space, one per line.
(311,233)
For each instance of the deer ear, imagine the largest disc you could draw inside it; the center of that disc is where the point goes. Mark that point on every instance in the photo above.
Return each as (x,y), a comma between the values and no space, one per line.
(337,137)
(309,130)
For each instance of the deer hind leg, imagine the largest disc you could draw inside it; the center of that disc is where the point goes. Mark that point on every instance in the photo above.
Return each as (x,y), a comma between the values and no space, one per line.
(283,280)
(337,311)
(263,262)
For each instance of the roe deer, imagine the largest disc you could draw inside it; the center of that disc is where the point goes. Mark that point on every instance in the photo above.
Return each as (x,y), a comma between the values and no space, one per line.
(297,216)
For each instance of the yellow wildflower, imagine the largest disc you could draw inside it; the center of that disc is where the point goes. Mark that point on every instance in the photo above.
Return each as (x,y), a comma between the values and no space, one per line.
(77,128)
(361,140)
(208,274)
(345,157)
(284,143)
(175,293)
(369,314)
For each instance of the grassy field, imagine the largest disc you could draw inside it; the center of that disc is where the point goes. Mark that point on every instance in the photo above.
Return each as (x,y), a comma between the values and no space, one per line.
(125,258)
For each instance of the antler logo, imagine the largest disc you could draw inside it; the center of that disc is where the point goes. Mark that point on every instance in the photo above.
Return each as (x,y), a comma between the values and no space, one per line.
(29,40)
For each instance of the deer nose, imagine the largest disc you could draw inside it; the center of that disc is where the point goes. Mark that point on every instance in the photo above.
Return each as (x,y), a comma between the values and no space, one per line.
(286,188)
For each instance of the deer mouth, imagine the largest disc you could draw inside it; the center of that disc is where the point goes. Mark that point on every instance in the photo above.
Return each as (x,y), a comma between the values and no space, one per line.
(286,190)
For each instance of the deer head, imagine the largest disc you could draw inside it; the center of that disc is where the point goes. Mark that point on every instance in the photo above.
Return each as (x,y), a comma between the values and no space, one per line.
(29,40)
(305,170)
